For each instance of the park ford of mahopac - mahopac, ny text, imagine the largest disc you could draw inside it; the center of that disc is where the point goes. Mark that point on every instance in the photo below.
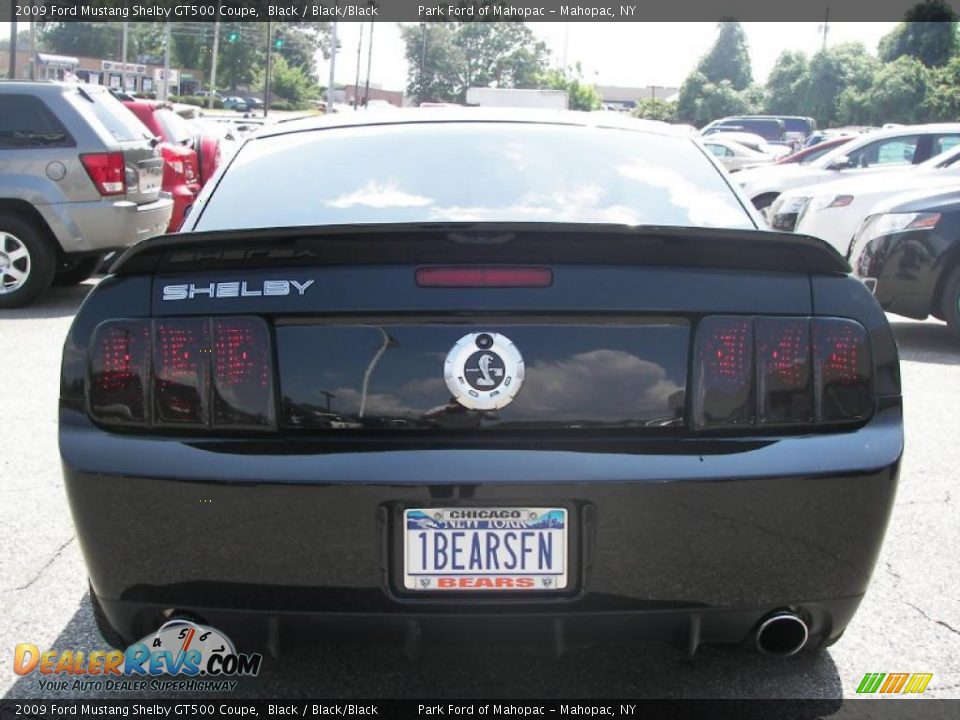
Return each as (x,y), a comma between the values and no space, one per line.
(484,12)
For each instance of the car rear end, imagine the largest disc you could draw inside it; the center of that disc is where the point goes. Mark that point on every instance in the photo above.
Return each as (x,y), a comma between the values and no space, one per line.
(277,430)
(120,201)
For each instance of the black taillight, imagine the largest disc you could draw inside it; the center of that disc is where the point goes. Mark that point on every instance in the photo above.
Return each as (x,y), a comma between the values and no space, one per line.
(183,373)
(844,367)
(243,375)
(780,371)
(783,370)
(724,369)
(119,372)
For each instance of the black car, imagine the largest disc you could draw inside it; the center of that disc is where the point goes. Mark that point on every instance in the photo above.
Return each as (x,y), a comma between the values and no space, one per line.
(908,253)
(502,376)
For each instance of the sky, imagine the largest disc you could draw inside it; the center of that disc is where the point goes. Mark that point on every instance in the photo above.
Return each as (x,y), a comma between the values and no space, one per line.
(623,54)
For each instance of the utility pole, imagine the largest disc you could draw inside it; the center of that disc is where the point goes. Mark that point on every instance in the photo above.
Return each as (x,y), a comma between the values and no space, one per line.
(166,62)
(13,42)
(366,90)
(356,83)
(123,56)
(826,28)
(266,89)
(333,63)
(213,61)
(423,59)
(33,50)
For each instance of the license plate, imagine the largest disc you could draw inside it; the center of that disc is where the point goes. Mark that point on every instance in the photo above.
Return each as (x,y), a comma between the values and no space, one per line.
(485,549)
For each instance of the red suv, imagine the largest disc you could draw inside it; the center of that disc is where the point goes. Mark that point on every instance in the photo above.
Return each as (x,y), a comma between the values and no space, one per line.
(190,157)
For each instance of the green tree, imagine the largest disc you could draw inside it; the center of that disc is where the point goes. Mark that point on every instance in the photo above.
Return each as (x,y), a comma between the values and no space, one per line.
(729,58)
(655,109)
(581,95)
(701,101)
(943,93)
(833,71)
(100,40)
(928,33)
(899,91)
(434,45)
(473,54)
(288,83)
(787,84)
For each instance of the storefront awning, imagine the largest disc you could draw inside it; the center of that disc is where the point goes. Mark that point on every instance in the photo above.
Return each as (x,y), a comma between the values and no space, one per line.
(59,61)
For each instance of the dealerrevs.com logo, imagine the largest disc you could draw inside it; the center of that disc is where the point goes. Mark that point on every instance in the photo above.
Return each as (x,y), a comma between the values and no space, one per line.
(204,657)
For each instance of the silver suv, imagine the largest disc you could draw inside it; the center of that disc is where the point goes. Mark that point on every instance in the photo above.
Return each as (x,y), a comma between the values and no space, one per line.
(79,176)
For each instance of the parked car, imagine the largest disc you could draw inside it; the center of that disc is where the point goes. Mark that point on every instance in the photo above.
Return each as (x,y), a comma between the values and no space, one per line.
(235,103)
(834,211)
(908,252)
(254,103)
(769,129)
(749,140)
(181,163)
(79,176)
(396,370)
(734,156)
(881,151)
(810,153)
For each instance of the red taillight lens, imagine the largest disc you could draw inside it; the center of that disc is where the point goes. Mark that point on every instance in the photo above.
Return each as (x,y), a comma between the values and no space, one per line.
(242,373)
(843,368)
(184,372)
(118,372)
(107,170)
(780,372)
(783,370)
(503,277)
(181,362)
(724,366)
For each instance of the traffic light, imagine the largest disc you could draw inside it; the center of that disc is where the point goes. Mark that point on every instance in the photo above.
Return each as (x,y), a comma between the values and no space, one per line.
(278,41)
(233,36)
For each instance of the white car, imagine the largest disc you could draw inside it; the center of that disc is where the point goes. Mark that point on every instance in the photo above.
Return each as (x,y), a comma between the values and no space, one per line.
(881,151)
(734,156)
(834,211)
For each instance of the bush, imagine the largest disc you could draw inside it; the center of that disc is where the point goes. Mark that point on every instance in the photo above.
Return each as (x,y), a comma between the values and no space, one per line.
(196,101)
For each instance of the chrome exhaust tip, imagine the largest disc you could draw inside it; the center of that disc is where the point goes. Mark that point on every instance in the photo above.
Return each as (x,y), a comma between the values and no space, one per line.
(782,634)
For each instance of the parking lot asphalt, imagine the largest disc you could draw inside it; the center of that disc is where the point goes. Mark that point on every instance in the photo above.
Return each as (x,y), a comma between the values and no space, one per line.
(909,621)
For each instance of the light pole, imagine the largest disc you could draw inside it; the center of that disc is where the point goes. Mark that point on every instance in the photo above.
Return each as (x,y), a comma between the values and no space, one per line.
(423,58)
(213,62)
(333,64)
(266,89)
(356,83)
(366,90)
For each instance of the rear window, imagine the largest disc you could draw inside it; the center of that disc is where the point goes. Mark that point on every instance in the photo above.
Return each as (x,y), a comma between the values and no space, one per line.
(472,172)
(122,124)
(767,129)
(26,121)
(175,126)
(799,125)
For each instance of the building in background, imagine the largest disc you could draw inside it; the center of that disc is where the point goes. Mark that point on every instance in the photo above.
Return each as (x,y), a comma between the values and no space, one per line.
(141,77)
(625,98)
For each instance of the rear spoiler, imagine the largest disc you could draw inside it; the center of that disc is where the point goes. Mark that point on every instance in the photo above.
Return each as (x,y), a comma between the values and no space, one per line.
(489,243)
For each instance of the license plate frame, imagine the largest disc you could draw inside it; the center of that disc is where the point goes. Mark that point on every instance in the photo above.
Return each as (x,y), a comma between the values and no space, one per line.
(546,552)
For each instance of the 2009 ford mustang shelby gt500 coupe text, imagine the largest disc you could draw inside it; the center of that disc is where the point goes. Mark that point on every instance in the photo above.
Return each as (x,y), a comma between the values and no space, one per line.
(447,373)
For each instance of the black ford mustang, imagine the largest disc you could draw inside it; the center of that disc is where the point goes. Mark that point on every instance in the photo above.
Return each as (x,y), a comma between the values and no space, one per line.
(432,376)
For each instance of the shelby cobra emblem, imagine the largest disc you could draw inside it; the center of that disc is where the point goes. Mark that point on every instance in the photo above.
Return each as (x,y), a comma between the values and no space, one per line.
(484,371)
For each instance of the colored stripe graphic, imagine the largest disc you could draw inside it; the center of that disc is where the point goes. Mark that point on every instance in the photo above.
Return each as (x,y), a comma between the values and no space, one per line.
(918,682)
(870,682)
(895,682)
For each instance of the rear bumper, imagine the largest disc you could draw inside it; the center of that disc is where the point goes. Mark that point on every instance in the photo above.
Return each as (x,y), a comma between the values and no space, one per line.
(684,543)
(106,224)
